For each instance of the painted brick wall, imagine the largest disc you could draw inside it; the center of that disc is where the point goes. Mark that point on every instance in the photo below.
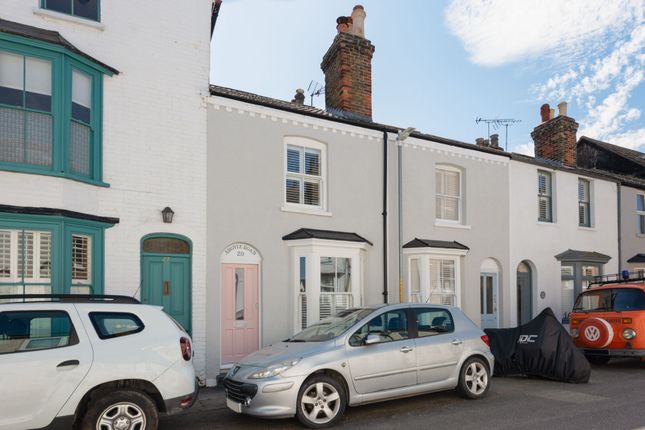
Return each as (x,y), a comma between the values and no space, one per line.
(154,140)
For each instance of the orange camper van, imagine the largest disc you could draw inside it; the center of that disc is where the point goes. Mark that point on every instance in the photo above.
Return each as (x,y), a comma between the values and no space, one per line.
(608,318)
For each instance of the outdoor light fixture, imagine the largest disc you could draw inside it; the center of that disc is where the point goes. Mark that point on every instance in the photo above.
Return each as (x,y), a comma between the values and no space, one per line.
(167,215)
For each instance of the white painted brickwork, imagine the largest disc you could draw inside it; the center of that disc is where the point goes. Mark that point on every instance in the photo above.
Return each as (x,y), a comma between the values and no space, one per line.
(154,134)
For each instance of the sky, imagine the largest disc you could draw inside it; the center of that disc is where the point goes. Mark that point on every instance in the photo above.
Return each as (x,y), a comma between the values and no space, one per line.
(441,64)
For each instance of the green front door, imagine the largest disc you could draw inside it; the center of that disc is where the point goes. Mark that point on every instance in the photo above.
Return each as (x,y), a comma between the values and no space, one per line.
(166,281)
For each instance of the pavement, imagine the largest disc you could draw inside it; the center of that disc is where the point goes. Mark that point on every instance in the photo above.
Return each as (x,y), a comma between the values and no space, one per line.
(614,399)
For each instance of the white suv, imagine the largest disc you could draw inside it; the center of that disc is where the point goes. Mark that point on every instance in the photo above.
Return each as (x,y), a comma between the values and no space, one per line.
(90,362)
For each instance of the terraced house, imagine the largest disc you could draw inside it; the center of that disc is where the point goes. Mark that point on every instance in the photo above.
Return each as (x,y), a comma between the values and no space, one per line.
(102,126)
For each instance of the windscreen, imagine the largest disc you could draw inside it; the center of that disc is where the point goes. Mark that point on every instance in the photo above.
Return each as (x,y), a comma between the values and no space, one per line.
(614,299)
(331,327)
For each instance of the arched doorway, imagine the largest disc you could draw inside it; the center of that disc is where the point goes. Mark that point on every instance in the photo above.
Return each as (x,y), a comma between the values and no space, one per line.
(489,293)
(524,293)
(166,275)
(240,301)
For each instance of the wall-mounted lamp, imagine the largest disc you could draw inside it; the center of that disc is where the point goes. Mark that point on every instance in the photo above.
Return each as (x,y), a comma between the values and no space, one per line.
(167,215)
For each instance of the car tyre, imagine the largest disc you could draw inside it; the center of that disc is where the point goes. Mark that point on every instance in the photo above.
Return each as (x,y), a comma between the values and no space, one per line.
(597,359)
(474,379)
(122,409)
(321,402)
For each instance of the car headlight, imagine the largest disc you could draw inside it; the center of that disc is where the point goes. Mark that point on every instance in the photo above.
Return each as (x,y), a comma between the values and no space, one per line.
(274,369)
(574,333)
(629,334)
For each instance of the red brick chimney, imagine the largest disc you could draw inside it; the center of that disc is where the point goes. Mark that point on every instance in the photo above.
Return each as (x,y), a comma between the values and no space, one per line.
(555,138)
(347,66)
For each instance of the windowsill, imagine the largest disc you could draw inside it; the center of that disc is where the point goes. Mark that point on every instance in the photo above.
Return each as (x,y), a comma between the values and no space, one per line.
(69,18)
(305,210)
(640,235)
(28,171)
(583,228)
(551,223)
(451,225)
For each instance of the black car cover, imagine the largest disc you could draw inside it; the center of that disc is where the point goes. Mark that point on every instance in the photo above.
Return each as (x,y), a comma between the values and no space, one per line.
(542,347)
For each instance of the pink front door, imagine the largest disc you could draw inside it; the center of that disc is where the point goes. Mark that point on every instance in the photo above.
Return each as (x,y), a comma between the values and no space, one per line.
(240,322)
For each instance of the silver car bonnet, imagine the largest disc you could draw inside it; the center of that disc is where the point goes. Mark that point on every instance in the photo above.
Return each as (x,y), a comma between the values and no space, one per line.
(280,352)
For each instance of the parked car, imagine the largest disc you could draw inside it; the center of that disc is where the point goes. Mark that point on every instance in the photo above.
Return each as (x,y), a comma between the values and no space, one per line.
(608,320)
(361,356)
(90,362)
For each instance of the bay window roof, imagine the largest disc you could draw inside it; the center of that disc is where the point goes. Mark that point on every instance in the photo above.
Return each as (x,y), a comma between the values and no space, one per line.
(429,243)
(311,233)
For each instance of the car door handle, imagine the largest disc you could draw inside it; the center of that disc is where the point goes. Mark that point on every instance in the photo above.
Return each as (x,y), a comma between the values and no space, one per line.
(69,363)
(405,349)
(457,342)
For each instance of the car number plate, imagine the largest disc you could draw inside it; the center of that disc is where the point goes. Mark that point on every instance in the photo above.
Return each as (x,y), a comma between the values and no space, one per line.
(234,406)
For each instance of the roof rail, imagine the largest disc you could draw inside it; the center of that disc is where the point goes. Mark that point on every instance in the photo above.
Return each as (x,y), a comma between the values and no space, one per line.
(69,298)
(618,278)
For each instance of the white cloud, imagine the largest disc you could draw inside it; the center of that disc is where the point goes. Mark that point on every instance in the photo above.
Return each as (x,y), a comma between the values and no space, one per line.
(525,148)
(496,32)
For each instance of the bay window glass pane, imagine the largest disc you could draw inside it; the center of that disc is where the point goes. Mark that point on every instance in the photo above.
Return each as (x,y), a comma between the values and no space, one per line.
(38,84)
(293,190)
(566,271)
(327,274)
(39,135)
(415,281)
(312,162)
(293,160)
(81,259)
(79,149)
(302,297)
(588,271)
(25,254)
(12,135)
(5,254)
(63,6)
(312,193)
(87,9)
(81,96)
(239,293)
(343,275)
(45,251)
(442,282)
(567,296)
(11,78)
(303,274)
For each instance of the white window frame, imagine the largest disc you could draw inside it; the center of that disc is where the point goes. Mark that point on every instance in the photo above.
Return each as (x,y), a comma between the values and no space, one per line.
(14,258)
(550,195)
(589,202)
(639,214)
(301,142)
(312,250)
(460,199)
(424,256)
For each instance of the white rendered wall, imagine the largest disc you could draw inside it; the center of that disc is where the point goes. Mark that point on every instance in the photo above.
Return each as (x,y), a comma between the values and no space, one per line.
(154,134)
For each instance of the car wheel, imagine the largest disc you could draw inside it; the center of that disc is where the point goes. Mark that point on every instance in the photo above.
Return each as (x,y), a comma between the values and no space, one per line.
(474,379)
(597,359)
(321,402)
(121,410)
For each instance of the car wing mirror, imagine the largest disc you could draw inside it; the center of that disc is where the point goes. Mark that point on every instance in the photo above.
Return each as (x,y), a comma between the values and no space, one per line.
(372,339)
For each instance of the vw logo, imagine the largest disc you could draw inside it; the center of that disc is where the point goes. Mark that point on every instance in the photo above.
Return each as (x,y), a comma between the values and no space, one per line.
(592,333)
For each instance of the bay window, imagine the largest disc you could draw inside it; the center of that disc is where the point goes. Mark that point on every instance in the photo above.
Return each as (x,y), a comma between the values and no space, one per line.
(50,111)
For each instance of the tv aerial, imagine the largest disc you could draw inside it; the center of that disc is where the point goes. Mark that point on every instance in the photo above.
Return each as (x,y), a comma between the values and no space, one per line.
(497,123)
(315,89)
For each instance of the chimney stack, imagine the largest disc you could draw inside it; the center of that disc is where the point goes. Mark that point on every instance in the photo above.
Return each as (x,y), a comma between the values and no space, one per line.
(299,98)
(347,66)
(494,141)
(555,138)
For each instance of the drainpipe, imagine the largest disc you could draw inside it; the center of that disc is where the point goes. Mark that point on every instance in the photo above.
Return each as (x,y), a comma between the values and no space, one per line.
(401,136)
(385,245)
(620,241)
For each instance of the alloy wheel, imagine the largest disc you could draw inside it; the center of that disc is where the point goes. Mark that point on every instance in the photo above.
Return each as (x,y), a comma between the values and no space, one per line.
(476,378)
(320,402)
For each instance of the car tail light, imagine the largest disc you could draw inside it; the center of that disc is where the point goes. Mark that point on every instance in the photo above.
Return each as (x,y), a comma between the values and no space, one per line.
(485,340)
(186,348)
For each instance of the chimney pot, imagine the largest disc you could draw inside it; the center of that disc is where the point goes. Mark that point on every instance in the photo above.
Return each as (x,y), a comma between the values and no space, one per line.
(494,140)
(544,112)
(299,98)
(562,109)
(358,19)
(343,24)
(480,141)
(551,113)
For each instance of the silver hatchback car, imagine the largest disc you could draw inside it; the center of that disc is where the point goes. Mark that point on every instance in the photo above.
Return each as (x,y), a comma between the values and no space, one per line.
(361,356)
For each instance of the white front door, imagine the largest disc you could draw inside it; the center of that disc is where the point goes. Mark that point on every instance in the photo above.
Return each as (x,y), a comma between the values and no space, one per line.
(488,294)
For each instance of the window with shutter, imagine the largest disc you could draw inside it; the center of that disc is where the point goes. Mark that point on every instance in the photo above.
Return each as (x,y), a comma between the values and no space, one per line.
(545,210)
(640,213)
(304,175)
(81,264)
(25,261)
(335,285)
(442,281)
(448,194)
(584,203)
